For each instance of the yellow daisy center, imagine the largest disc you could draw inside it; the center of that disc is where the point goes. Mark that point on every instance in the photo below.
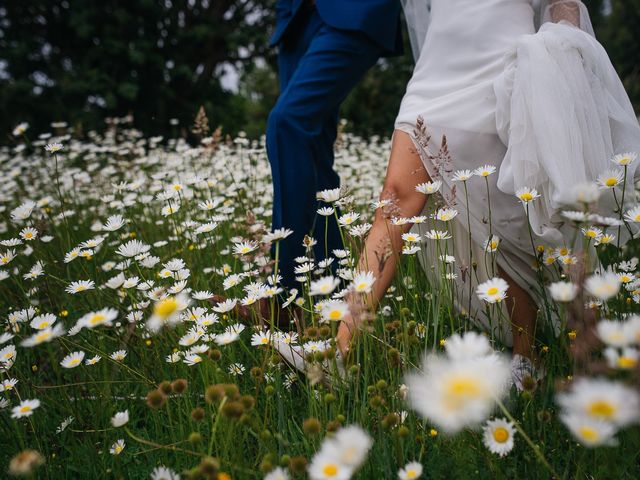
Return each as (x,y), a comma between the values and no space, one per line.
(501,435)
(412,474)
(8,355)
(462,389)
(166,307)
(97,318)
(526,197)
(362,286)
(611,182)
(493,291)
(589,434)
(41,337)
(330,470)
(627,362)
(602,408)
(335,314)
(74,362)
(25,409)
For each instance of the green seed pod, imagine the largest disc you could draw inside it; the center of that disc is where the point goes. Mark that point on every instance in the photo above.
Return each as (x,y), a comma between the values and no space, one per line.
(333,426)
(209,467)
(231,390)
(312,426)
(394,356)
(376,402)
(165,387)
(197,414)
(266,466)
(390,421)
(232,409)
(381,385)
(298,465)
(214,393)
(156,399)
(248,402)
(179,386)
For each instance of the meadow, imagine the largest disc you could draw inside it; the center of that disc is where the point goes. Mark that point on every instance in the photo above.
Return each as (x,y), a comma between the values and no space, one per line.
(117,360)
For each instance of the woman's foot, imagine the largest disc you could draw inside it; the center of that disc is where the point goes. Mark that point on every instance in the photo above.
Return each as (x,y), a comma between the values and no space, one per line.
(295,356)
(524,374)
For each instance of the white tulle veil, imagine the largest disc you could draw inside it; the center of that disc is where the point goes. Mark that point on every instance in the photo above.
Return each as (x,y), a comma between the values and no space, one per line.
(561,110)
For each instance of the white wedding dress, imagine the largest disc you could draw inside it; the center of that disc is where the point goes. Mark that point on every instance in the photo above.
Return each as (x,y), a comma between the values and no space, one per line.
(542,104)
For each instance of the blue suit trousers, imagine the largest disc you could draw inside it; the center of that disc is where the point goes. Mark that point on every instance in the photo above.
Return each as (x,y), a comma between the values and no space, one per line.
(318,66)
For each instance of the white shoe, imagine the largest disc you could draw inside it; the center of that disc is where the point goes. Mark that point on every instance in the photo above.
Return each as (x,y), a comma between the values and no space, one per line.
(294,355)
(522,370)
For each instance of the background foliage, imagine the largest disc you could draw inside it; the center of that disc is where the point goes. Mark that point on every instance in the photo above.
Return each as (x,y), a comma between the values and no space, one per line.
(81,61)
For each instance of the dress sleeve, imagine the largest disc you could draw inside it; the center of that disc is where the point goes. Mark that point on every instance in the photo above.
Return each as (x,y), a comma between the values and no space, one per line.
(570,12)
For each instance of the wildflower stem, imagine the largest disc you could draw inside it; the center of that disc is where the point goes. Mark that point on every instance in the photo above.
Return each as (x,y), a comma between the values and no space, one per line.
(536,449)
(160,446)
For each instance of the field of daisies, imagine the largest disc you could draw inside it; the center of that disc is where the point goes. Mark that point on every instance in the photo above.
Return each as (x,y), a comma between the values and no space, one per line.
(119,359)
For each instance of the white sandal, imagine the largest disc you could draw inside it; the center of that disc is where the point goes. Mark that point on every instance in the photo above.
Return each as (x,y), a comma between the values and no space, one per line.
(521,369)
(294,355)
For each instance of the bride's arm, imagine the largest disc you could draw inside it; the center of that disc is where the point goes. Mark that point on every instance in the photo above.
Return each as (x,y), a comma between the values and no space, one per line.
(384,242)
(567,10)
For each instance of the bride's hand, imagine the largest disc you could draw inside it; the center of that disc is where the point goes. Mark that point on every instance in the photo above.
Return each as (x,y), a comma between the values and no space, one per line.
(350,324)
(346,330)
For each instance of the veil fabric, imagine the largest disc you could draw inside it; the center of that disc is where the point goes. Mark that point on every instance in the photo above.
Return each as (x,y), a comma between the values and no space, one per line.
(561,108)
(417,14)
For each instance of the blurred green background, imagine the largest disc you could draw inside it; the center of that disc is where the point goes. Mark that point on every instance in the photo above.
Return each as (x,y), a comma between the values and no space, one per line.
(81,61)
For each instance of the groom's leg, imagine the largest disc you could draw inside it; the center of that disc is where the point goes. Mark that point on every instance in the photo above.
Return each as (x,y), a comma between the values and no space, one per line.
(326,228)
(301,156)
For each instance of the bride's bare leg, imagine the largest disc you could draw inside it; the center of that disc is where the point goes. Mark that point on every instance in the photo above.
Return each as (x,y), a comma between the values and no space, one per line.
(523,313)
(384,242)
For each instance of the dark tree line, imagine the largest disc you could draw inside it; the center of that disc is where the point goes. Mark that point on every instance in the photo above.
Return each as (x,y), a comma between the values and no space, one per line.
(82,60)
